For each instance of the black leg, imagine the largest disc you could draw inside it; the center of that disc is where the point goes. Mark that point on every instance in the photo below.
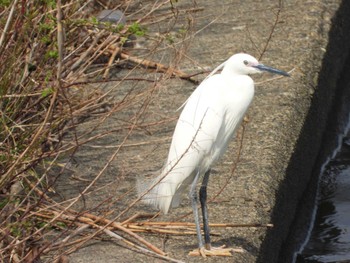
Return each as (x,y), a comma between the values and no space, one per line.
(193,197)
(203,200)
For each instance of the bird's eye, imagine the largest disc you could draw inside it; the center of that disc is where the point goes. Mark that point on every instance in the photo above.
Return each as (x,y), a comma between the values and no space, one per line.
(245,62)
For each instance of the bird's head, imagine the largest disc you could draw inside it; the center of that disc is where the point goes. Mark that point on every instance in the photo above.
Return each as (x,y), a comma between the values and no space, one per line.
(244,64)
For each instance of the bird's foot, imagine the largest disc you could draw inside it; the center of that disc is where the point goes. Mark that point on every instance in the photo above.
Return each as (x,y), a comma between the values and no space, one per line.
(215,251)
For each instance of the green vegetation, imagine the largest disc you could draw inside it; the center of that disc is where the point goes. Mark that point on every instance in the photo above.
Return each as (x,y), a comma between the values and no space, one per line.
(5,3)
(136,29)
(46,92)
(51,54)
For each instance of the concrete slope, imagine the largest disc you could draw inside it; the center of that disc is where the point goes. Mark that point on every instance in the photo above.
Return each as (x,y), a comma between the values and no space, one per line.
(281,140)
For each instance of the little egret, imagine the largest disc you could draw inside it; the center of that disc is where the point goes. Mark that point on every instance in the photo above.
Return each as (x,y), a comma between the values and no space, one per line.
(209,119)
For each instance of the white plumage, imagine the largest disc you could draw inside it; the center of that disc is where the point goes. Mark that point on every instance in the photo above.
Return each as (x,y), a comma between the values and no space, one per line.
(209,119)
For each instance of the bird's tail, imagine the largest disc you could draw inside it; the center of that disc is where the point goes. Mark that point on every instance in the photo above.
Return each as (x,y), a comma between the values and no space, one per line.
(156,192)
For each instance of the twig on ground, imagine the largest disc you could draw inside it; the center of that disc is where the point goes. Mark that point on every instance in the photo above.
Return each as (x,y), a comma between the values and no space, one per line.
(151,64)
(185,224)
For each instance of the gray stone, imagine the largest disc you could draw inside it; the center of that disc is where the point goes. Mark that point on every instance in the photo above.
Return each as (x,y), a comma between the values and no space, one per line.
(113,16)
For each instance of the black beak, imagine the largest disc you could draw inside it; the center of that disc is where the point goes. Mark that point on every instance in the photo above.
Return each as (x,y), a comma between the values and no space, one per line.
(262,67)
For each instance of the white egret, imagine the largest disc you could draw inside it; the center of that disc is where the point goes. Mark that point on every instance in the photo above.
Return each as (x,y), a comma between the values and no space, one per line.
(209,119)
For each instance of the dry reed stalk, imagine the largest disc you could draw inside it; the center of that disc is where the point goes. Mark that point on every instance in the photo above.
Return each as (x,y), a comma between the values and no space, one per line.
(8,22)
(185,224)
(50,114)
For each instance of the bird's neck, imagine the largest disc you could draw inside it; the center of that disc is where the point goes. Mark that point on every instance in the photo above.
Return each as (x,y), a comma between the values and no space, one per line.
(230,73)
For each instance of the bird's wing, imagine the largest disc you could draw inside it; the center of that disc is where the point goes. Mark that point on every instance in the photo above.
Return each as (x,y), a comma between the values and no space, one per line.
(199,125)
(202,132)
(191,148)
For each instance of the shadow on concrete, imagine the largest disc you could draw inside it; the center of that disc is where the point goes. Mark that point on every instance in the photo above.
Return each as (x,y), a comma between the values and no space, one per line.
(296,194)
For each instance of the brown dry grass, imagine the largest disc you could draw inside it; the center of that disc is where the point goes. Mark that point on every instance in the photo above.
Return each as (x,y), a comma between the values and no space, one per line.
(48,51)
(54,55)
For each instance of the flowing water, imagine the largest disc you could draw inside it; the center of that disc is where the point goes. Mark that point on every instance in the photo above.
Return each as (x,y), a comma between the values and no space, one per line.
(329,239)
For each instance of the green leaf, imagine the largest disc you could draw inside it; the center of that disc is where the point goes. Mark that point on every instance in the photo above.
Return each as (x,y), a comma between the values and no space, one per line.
(136,29)
(52,54)
(46,92)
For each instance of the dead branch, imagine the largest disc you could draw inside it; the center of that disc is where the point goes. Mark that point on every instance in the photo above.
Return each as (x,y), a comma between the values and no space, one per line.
(151,64)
